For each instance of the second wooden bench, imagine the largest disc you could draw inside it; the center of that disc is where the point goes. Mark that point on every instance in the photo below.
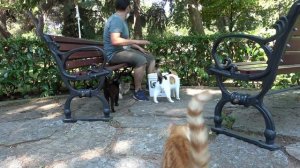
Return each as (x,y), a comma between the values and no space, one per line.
(81,60)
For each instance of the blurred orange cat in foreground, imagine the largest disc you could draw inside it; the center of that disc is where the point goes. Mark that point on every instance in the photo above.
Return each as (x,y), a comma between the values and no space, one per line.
(187,145)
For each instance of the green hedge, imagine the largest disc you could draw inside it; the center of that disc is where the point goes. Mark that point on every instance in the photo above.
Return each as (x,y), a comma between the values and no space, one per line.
(187,55)
(27,67)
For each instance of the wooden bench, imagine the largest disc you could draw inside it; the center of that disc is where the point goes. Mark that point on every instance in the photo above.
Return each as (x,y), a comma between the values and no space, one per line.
(283,56)
(81,60)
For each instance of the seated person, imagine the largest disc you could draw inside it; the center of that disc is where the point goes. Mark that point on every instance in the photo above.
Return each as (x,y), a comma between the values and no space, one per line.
(120,49)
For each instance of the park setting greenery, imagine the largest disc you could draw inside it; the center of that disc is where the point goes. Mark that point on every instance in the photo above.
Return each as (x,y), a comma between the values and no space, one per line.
(181,32)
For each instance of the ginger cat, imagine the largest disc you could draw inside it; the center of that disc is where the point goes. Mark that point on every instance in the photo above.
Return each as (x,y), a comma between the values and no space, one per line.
(187,145)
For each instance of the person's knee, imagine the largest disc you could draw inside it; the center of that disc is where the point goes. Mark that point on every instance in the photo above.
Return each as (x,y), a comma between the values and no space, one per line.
(140,62)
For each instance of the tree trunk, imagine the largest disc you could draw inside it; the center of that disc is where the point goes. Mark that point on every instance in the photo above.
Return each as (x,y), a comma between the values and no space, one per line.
(3,29)
(221,24)
(195,17)
(70,25)
(137,20)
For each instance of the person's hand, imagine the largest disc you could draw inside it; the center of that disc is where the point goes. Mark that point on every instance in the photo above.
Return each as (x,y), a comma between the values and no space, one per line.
(142,49)
(143,42)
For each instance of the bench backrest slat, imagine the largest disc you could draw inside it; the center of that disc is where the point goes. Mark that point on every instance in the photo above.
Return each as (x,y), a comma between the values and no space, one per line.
(83,62)
(291,57)
(60,39)
(69,46)
(79,59)
(85,54)
(292,51)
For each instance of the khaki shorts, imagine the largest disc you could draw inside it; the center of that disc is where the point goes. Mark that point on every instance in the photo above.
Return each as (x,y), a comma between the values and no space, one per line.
(132,57)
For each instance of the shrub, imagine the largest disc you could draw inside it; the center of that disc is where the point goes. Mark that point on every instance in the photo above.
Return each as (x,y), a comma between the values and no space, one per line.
(26,67)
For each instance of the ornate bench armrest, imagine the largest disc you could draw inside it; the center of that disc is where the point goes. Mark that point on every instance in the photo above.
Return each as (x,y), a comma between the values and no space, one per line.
(226,66)
(223,65)
(93,73)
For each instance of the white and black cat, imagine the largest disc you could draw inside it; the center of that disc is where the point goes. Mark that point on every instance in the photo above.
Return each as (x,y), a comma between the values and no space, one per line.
(167,82)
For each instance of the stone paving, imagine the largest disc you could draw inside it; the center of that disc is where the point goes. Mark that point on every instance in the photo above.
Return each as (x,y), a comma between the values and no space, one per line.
(32,133)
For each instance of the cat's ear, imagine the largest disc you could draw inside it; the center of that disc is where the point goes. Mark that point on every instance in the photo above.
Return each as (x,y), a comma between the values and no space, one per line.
(159,77)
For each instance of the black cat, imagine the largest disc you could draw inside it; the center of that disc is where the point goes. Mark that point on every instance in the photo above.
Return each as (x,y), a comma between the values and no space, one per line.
(111,92)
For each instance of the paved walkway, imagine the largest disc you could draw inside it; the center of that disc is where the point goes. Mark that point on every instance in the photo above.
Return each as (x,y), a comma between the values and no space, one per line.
(33,135)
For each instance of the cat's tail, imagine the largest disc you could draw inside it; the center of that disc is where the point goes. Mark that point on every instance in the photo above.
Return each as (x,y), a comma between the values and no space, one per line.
(198,132)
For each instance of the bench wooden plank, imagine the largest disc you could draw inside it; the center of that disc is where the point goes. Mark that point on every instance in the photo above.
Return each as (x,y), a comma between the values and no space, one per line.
(249,63)
(85,54)
(294,44)
(75,40)
(291,57)
(83,62)
(67,46)
(282,69)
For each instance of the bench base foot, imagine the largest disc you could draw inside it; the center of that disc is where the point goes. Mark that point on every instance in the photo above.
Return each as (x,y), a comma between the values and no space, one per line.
(259,143)
(105,119)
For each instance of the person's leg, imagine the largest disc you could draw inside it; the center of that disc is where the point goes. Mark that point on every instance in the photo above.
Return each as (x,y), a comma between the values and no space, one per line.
(150,66)
(138,75)
(138,62)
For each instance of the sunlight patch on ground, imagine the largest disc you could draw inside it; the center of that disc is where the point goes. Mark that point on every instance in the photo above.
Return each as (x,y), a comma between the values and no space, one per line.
(296,91)
(91,154)
(12,162)
(122,146)
(59,164)
(51,116)
(175,112)
(197,91)
(49,106)
(21,109)
(130,162)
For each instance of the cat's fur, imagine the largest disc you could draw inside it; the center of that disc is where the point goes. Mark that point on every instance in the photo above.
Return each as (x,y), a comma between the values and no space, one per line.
(124,88)
(187,145)
(169,83)
(111,92)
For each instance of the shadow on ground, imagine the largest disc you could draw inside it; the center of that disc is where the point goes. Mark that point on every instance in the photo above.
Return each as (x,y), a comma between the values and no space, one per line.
(32,133)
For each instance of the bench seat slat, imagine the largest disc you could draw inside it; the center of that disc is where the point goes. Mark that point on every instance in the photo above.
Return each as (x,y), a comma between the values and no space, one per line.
(249,63)
(83,62)
(282,69)
(85,54)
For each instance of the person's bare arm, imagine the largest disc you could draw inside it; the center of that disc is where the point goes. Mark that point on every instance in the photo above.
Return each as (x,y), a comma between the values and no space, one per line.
(117,40)
(139,48)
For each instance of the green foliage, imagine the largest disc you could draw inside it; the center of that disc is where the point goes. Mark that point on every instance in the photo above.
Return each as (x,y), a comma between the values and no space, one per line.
(26,67)
(241,50)
(156,20)
(187,55)
(231,16)
(286,80)
(228,119)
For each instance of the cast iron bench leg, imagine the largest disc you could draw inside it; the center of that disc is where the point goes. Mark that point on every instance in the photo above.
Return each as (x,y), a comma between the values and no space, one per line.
(218,113)
(67,110)
(246,100)
(270,132)
(105,107)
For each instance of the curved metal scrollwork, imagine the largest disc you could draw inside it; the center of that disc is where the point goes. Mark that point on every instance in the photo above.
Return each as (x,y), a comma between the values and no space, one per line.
(280,27)
(227,64)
